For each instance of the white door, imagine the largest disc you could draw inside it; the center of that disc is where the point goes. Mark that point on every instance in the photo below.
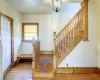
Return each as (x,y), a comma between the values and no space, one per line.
(6,42)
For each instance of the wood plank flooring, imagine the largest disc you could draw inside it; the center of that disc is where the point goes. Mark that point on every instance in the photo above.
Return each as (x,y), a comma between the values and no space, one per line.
(23,71)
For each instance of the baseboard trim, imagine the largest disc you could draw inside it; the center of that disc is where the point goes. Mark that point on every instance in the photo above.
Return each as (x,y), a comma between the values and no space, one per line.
(77,70)
(99,70)
(46,52)
(6,71)
(15,63)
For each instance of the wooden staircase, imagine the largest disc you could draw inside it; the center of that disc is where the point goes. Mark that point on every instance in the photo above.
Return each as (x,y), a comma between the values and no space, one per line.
(64,42)
(42,64)
(69,37)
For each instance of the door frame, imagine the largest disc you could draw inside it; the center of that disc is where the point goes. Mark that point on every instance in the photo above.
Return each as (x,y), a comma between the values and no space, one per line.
(12,36)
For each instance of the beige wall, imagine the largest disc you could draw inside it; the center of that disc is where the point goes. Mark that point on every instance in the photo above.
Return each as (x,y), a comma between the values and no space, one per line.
(85,54)
(13,13)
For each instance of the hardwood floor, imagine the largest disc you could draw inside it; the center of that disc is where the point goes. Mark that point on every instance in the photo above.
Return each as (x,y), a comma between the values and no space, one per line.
(78,77)
(23,71)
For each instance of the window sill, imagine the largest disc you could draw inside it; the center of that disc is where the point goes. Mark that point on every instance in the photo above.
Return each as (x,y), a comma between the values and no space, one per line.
(27,41)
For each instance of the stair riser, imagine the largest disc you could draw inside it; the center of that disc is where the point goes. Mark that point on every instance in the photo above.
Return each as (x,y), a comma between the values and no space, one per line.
(43,75)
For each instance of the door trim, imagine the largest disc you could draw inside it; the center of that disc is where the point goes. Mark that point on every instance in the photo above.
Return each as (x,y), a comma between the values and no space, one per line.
(12,36)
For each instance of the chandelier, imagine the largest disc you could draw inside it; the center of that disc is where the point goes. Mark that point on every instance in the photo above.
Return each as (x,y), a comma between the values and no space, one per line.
(56,5)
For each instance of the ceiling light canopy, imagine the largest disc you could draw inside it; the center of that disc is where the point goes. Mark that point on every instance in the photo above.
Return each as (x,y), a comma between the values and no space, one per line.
(56,5)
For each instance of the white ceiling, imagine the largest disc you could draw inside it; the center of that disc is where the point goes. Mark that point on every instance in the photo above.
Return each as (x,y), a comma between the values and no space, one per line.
(35,6)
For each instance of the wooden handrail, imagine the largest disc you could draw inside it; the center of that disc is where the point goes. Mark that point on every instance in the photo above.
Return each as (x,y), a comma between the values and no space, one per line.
(69,22)
(36,48)
(67,36)
(36,52)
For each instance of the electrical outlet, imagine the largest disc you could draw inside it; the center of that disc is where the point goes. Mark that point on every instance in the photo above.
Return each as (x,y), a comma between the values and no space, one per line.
(72,71)
(67,65)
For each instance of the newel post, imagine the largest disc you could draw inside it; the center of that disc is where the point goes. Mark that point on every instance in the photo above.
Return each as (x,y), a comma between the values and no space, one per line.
(84,5)
(33,58)
(54,51)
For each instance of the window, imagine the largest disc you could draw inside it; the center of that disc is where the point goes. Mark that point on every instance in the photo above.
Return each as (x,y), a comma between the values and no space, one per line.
(29,30)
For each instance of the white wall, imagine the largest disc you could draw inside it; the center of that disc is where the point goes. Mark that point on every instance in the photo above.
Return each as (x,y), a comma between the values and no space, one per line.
(85,54)
(60,19)
(45,30)
(12,12)
(26,48)
(1,63)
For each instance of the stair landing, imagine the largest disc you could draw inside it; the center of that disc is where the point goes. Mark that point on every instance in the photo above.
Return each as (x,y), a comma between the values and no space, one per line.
(44,69)
(24,56)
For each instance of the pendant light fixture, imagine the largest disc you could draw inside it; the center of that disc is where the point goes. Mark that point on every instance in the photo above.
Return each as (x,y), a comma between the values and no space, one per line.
(56,5)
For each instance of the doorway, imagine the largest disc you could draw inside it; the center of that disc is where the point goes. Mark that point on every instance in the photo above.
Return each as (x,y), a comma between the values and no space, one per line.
(9,22)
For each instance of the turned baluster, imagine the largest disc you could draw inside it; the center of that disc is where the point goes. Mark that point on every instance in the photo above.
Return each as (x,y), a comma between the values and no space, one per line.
(77,25)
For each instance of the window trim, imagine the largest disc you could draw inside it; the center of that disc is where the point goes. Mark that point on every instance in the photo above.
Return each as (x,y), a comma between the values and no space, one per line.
(23,31)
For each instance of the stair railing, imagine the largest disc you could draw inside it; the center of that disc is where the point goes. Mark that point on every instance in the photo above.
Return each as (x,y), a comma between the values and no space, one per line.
(67,36)
(36,53)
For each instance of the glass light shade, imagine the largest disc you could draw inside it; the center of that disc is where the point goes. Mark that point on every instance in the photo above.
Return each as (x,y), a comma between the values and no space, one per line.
(56,5)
